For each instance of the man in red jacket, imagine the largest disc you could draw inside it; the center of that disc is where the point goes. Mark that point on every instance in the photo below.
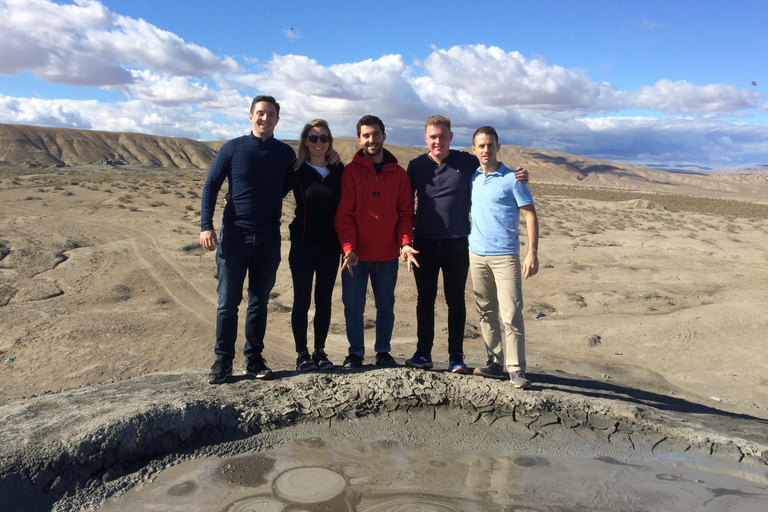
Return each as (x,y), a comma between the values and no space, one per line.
(375,225)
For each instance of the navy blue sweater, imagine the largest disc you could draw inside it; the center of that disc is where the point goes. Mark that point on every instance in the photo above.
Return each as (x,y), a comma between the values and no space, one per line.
(442,194)
(257,171)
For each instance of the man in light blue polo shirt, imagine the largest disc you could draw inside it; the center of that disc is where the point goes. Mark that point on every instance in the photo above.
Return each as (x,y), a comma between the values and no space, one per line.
(494,258)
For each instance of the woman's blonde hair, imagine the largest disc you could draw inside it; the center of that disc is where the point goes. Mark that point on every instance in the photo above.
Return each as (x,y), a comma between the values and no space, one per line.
(303,150)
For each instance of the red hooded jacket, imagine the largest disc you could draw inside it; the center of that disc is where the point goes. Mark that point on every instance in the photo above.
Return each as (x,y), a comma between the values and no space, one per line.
(375,214)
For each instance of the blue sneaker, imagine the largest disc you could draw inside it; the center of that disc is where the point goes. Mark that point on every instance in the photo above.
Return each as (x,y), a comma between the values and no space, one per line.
(420,359)
(456,364)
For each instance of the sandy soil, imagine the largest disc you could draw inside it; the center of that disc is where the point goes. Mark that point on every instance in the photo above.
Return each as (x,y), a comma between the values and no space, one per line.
(102,277)
(659,291)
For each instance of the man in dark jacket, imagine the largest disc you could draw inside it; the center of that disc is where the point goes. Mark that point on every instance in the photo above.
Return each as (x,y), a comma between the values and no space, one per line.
(256,166)
(375,225)
(441,180)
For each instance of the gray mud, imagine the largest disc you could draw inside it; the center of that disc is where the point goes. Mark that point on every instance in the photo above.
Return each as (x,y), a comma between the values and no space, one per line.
(73,449)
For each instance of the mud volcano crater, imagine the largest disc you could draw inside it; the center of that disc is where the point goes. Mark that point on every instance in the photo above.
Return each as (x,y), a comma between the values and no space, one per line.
(73,449)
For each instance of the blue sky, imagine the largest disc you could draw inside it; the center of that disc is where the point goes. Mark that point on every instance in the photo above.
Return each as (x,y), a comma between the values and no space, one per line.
(646,82)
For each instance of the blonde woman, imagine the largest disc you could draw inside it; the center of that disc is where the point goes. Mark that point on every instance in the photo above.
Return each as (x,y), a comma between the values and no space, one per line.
(315,251)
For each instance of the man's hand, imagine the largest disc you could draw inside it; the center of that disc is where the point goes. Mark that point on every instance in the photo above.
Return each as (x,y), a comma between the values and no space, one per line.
(408,255)
(335,158)
(530,265)
(208,239)
(350,260)
(522,175)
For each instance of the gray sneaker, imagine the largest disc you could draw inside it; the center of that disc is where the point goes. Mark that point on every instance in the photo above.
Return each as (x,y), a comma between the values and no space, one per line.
(491,370)
(519,381)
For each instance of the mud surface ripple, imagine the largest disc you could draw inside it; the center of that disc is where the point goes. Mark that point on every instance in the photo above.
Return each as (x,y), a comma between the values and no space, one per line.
(72,449)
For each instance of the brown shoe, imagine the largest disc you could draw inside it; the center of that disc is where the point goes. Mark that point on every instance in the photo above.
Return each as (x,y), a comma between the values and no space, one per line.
(490,370)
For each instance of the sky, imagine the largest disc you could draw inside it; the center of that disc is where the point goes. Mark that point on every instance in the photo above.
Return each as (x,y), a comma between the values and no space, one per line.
(642,82)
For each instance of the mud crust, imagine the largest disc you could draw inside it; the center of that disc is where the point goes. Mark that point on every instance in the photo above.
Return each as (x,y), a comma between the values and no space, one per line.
(72,449)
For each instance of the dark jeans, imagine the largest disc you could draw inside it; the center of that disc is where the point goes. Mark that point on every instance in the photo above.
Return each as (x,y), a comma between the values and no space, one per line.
(258,255)
(321,264)
(383,276)
(451,255)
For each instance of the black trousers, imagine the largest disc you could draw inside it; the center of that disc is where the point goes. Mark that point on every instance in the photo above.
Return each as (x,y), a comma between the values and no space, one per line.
(450,255)
(321,265)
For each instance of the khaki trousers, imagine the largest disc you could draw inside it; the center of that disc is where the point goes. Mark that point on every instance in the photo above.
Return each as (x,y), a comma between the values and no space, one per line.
(497,281)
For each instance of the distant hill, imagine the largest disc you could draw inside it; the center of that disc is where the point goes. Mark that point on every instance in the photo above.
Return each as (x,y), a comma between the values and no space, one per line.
(24,146)
(34,146)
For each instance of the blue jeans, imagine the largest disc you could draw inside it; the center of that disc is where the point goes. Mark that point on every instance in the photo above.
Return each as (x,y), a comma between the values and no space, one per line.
(258,255)
(383,275)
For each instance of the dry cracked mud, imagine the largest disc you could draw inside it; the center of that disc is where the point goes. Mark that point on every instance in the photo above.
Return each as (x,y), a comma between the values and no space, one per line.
(72,449)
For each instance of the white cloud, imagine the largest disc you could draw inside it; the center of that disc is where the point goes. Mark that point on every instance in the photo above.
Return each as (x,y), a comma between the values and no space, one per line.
(170,91)
(340,93)
(678,140)
(84,44)
(476,75)
(177,88)
(682,97)
(128,116)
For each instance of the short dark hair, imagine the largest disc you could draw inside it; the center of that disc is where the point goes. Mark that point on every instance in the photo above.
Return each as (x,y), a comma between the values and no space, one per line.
(268,99)
(487,130)
(369,120)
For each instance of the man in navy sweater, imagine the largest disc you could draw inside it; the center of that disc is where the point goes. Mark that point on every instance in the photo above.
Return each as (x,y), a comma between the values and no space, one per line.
(441,180)
(256,166)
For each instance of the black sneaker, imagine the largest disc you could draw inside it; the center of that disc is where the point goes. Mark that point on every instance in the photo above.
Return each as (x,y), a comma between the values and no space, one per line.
(353,361)
(321,360)
(384,360)
(304,362)
(257,367)
(491,370)
(221,369)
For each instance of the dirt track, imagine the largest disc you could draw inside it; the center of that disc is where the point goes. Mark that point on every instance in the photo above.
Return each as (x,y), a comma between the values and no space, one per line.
(653,317)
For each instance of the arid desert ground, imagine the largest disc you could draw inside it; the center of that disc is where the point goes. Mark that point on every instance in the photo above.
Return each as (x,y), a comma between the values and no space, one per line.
(660,286)
(649,281)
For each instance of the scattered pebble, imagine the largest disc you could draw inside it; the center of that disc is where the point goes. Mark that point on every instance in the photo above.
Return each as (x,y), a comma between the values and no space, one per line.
(716,399)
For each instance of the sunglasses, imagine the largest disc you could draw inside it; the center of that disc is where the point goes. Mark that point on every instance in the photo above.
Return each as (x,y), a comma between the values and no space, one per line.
(314,138)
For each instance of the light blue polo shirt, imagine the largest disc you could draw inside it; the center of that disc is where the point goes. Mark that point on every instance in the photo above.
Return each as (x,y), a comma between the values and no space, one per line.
(496,200)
